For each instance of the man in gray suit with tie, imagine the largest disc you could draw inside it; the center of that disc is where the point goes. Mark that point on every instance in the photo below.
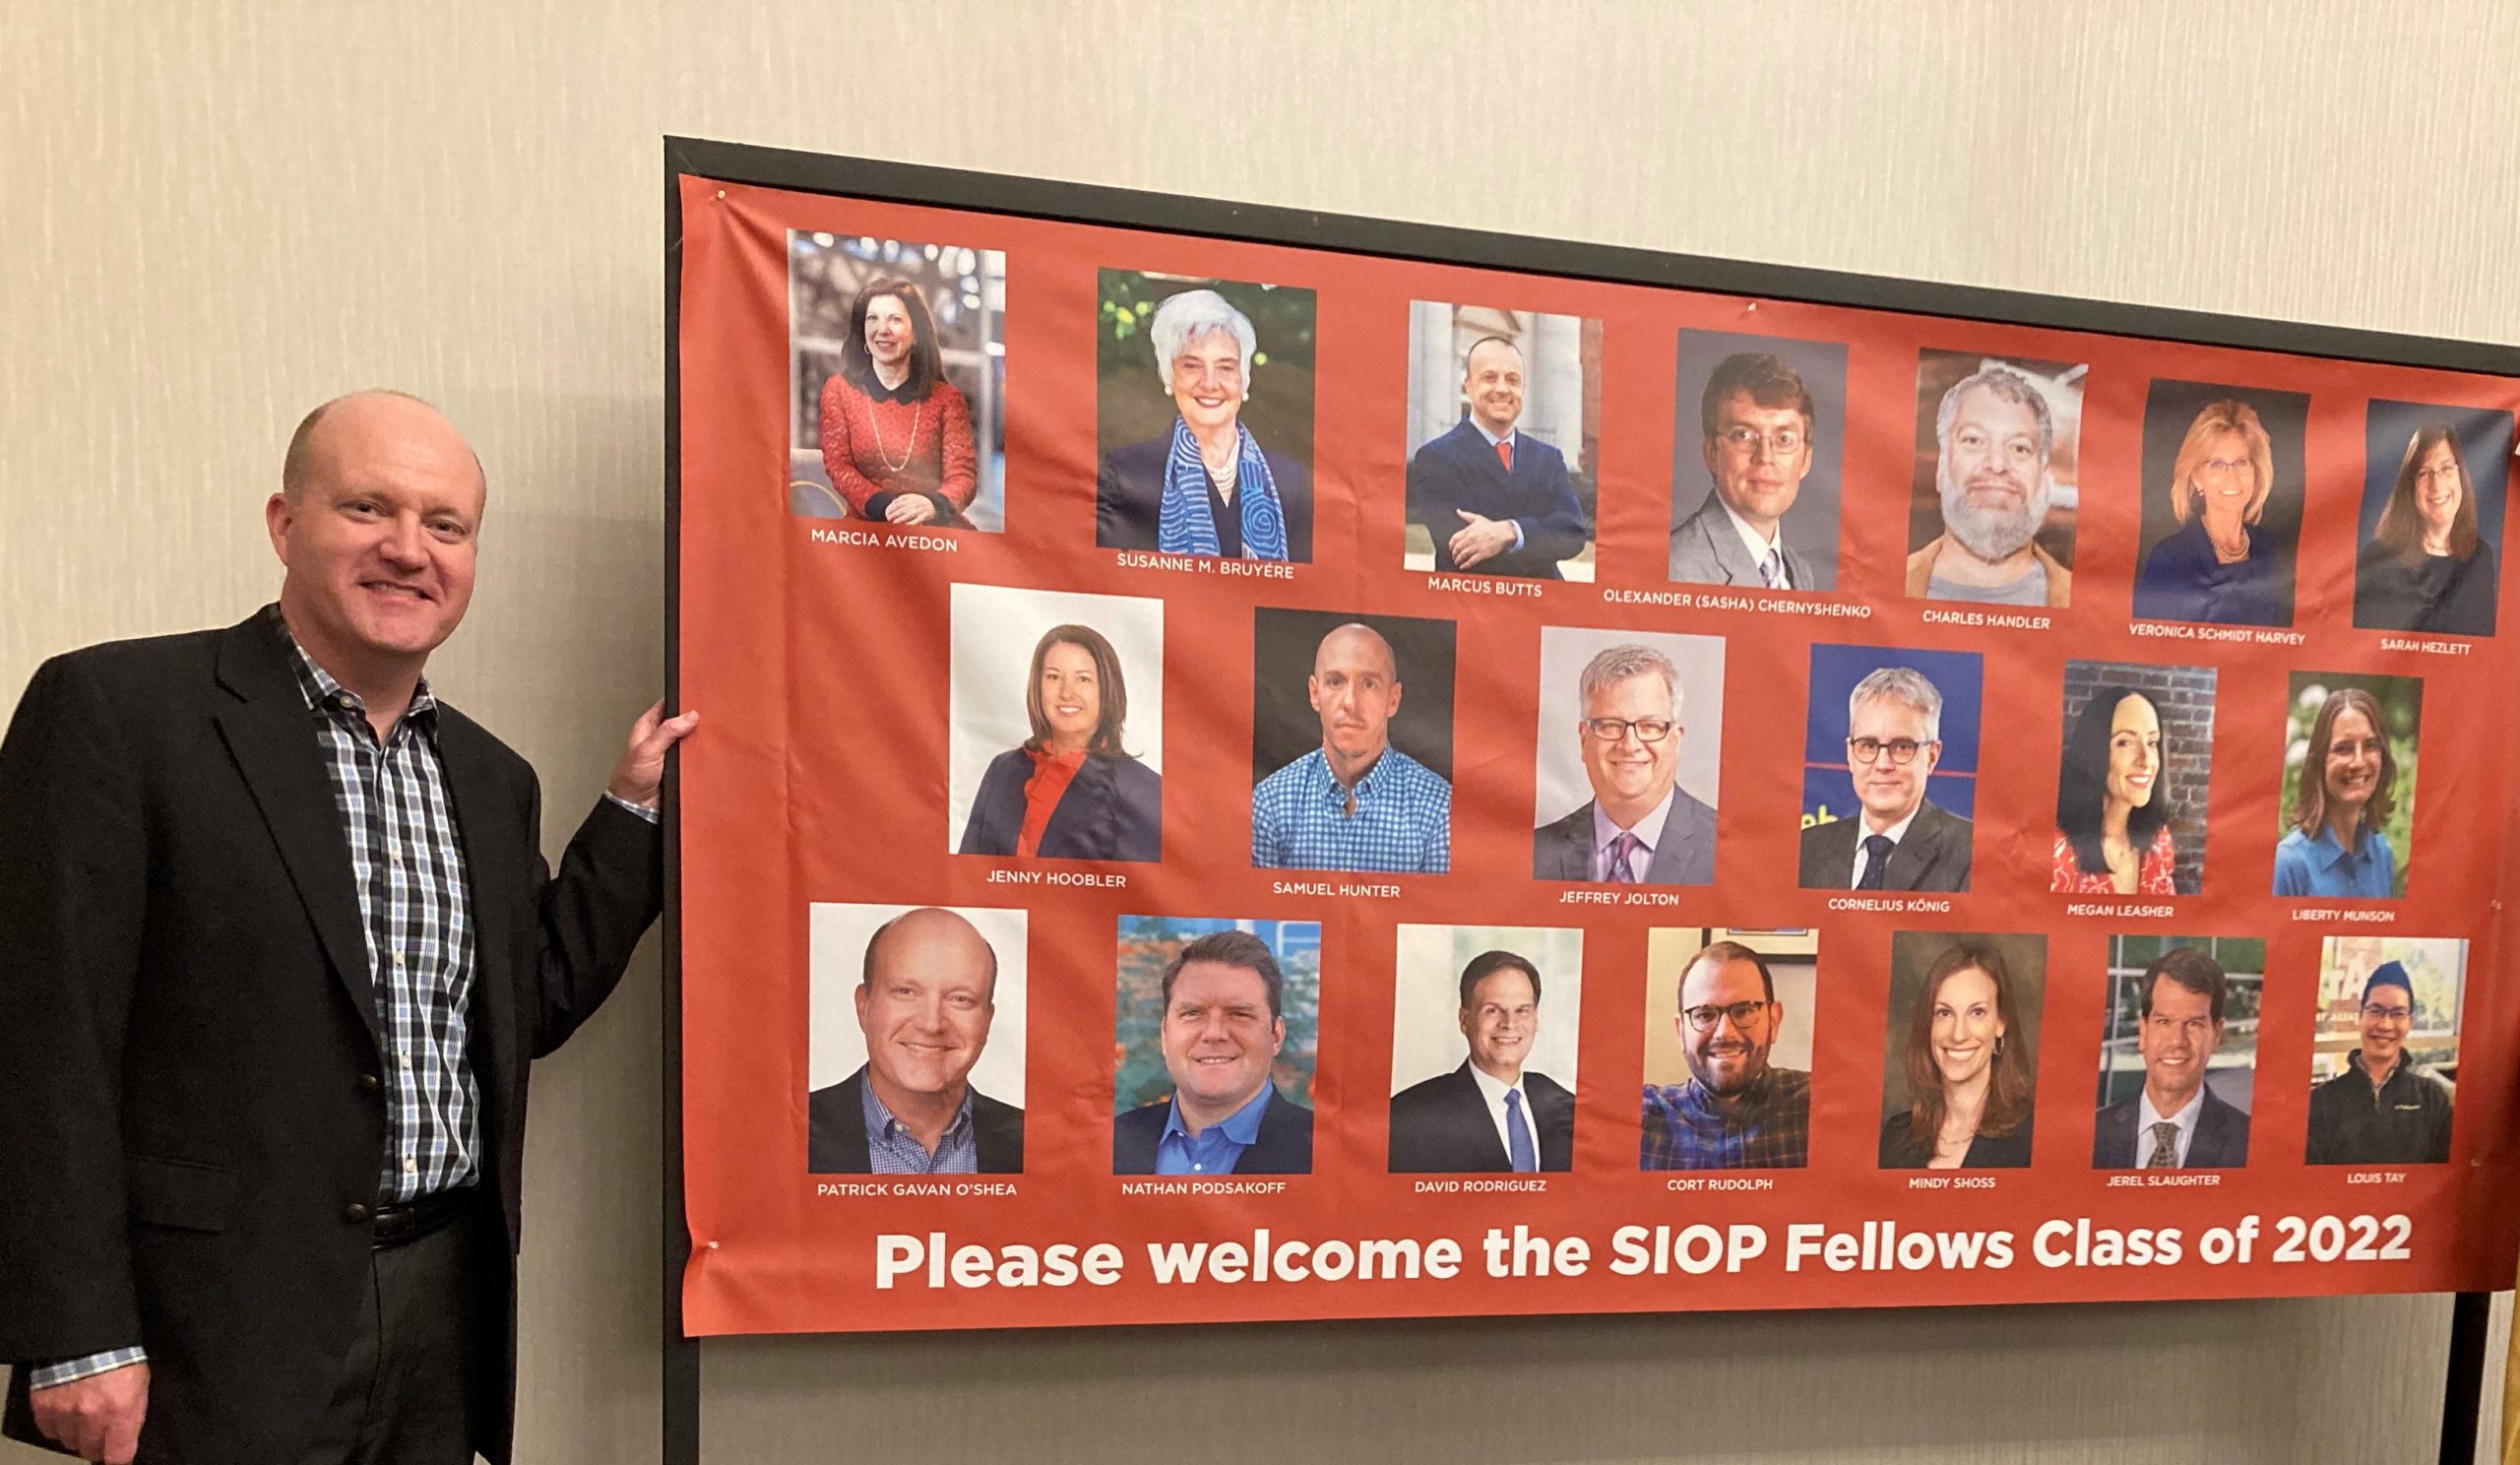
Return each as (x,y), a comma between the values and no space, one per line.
(1899,842)
(1757,422)
(1639,827)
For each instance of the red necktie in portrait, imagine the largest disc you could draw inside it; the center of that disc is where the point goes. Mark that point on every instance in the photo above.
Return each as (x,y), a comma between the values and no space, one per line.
(1506,454)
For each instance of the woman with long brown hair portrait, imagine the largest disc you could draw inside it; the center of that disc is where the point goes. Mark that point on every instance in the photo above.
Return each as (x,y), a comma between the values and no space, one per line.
(1971,1080)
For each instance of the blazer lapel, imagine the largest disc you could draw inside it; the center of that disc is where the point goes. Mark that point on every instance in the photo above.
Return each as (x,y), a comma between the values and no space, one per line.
(1730,555)
(269,732)
(1478,1119)
(490,838)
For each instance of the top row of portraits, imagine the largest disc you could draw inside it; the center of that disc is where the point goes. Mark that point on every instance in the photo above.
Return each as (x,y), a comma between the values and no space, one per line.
(1205,426)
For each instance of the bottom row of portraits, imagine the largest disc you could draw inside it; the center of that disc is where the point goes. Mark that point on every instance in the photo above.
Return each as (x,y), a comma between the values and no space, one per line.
(1217,1027)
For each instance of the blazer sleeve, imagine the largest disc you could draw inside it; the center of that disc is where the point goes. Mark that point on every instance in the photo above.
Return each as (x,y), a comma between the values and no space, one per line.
(1556,532)
(591,915)
(73,891)
(1141,812)
(998,812)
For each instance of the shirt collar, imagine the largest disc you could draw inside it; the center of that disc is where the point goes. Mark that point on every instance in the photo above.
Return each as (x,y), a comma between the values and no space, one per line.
(1330,785)
(1492,438)
(1759,548)
(876,391)
(2330,854)
(323,693)
(1896,832)
(881,1124)
(2147,1116)
(1701,1103)
(1648,830)
(1494,1091)
(1242,1126)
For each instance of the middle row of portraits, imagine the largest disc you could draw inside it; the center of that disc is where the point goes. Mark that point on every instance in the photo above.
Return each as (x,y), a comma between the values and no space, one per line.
(1217,1034)
(1057,745)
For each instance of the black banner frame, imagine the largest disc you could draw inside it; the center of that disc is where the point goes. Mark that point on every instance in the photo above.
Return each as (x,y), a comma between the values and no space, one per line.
(1049,200)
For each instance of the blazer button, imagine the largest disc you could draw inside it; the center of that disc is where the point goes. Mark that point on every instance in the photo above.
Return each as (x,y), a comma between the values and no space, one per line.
(355,1212)
(370,1083)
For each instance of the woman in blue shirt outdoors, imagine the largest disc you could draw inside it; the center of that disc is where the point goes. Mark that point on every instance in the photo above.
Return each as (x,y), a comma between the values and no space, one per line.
(2219,565)
(2348,780)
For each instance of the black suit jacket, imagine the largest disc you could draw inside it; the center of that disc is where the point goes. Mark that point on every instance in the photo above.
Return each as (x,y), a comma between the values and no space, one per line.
(1562,849)
(1284,1145)
(1128,497)
(835,1142)
(1112,809)
(1935,855)
(1460,470)
(189,1051)
(1442,1127)
(2221,1141)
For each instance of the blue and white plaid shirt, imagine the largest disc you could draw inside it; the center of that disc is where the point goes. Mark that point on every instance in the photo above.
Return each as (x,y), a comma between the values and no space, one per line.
(414,907)
(1402,821)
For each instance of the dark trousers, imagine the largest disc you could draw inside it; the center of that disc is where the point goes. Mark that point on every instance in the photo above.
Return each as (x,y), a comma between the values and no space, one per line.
(415,1389)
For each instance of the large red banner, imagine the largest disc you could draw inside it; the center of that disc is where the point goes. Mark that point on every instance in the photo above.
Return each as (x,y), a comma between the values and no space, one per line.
(1249,781)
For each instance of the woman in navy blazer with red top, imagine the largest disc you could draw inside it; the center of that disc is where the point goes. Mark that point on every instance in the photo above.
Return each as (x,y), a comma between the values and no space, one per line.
(1071,791)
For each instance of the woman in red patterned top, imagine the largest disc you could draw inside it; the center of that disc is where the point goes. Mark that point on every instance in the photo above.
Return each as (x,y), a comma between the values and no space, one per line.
(2113,829)
(897,437)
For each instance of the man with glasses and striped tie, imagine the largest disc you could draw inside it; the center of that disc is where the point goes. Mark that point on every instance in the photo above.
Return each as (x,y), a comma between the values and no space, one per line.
(1900,841)
(1639,828)
(1491,1114)
(1757,422)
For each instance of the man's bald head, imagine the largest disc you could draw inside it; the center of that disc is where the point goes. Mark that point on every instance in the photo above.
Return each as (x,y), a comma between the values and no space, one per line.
(927,935)
(1356,645)
(355,415)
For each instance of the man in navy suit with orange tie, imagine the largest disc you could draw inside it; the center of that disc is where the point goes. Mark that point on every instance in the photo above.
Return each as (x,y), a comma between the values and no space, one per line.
(1495,500)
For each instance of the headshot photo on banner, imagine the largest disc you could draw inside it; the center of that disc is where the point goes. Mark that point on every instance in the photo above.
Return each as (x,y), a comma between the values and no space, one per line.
(1728,1049)
(2384,1064)
(2434,491)
(1504,426)
(897,352)
(1960,1071)
(1890,768)
(2132,780)
(1217,1025)
(1993,510)
(914,1062)
(2222,503)
(1351,742)
(1484,1028)
(2348,820)
(2178,1052)
(1057,735)
(1629,756)
(1204,412)
(1757,444)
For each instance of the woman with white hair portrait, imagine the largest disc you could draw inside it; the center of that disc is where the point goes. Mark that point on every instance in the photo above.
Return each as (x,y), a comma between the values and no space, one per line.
(1207,488)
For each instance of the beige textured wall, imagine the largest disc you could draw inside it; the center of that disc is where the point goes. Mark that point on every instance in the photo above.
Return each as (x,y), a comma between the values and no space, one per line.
(219,213)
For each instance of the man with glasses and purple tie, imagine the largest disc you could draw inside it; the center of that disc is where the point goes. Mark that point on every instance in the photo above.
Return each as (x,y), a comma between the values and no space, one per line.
(1640,828)
(1900,841)
(1758,423)
(2382,1109)
(1489,1114)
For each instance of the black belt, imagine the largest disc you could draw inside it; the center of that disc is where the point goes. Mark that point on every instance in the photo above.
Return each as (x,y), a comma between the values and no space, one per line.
(398,1225)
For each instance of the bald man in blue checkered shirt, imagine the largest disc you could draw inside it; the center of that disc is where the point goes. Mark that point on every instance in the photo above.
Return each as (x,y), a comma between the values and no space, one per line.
(1356,803)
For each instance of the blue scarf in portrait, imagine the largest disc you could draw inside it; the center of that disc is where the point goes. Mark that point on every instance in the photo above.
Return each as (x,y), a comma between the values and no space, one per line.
(1186,526)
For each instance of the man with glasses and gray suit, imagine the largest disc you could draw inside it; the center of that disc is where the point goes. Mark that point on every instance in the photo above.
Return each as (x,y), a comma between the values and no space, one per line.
(1900,841)
(1639,828)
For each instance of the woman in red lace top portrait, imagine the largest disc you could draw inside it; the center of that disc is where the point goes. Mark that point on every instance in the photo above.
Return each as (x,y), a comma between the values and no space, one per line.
(1072,790)
(2113,822)
(897,437)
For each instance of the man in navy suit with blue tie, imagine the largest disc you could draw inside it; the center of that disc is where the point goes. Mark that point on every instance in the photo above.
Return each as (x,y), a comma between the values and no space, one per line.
(1491,1114)
(1495,500)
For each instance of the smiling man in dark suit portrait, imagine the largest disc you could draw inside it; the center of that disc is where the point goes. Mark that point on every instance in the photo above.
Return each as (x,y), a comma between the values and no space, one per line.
(2176,1123)
(1899,841)
(1640,827)
(925,997)
(1490,1113)
(276,944)
(1496,500)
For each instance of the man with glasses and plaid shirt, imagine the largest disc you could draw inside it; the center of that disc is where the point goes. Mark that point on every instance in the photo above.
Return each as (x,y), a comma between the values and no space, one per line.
(1640,827)
(276,944)
(1736,1112)
(2382,1109)
(1900,841)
